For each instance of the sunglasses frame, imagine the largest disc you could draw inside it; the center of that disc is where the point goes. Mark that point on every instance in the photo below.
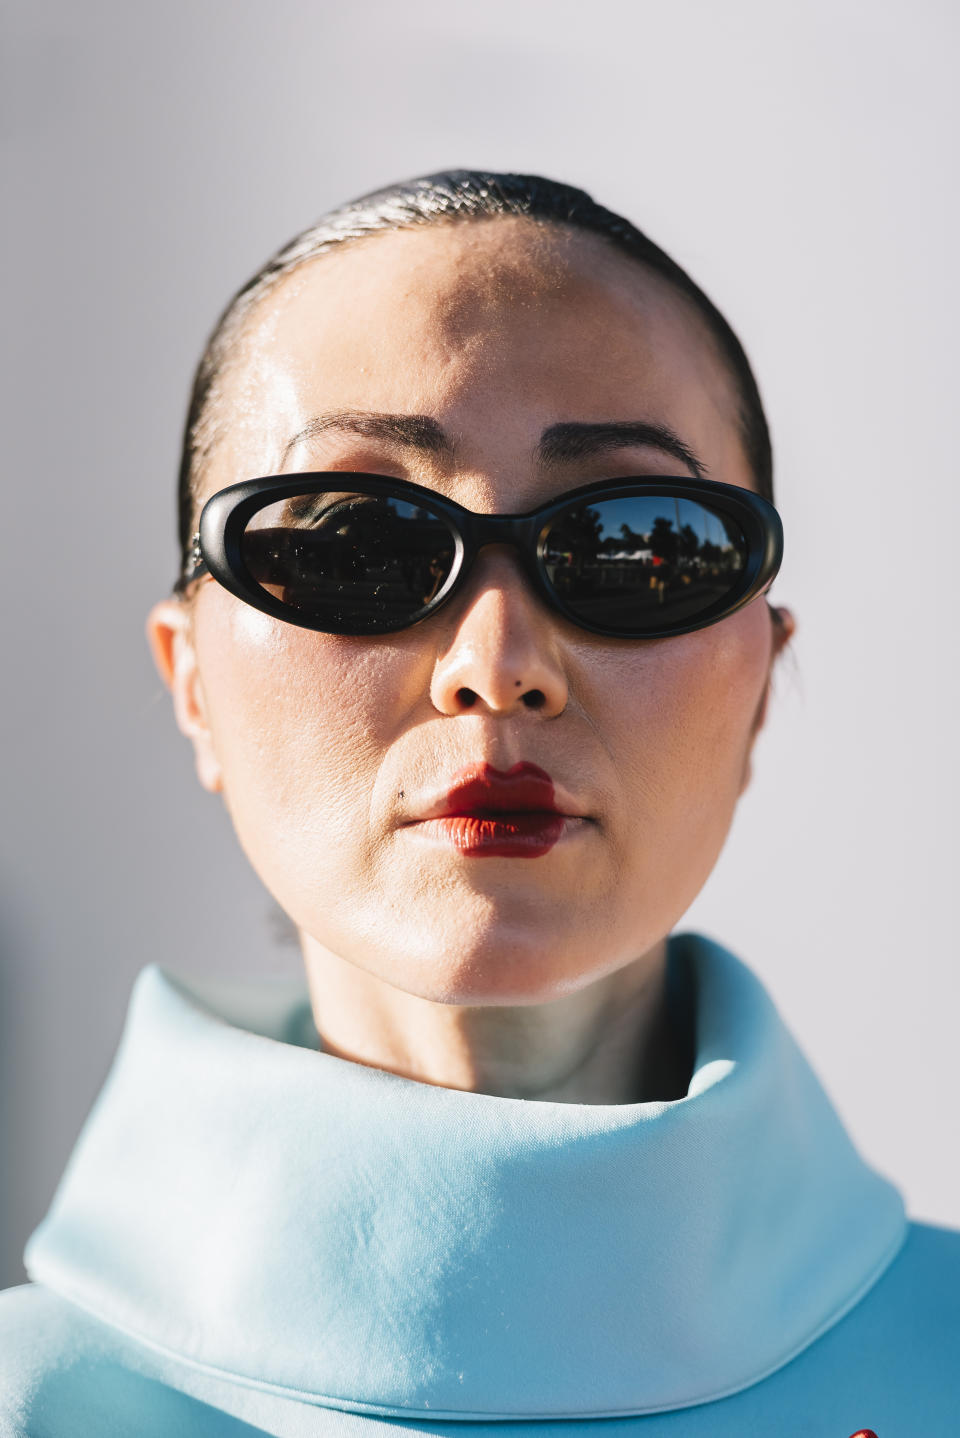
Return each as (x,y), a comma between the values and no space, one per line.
(217,546)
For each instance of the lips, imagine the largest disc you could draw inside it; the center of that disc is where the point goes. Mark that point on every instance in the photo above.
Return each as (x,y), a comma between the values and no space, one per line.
(495,813)
(482,789)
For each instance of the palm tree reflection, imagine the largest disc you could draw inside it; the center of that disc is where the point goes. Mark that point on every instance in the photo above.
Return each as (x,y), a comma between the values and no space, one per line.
(615,570)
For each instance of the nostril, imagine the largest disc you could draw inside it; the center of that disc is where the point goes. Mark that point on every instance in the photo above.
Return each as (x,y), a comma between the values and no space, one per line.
(466,697)
(534,699)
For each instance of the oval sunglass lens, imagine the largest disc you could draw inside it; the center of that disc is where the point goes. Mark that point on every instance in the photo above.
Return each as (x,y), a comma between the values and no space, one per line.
(360,563)
(644,562)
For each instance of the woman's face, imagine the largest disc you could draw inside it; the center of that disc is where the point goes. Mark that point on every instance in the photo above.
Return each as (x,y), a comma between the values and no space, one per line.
(332,751)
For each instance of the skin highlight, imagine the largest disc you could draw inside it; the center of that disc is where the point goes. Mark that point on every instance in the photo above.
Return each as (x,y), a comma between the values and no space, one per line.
(537,978)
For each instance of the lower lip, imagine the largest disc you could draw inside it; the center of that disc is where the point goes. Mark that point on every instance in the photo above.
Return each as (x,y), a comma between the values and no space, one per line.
(503,836)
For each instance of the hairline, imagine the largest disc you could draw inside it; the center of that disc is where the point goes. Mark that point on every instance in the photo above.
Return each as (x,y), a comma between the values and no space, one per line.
(225,361)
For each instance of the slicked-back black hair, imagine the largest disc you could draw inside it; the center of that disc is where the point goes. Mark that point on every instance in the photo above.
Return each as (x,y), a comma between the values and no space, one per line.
(449,197)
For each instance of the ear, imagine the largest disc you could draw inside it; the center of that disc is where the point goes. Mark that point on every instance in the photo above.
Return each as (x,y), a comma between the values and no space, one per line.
(784,628)
(171,642)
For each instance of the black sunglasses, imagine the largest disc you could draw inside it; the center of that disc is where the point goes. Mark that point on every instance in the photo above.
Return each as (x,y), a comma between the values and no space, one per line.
(347,553)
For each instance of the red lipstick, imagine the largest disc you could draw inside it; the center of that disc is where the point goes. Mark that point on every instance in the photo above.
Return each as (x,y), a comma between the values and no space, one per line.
(492,813)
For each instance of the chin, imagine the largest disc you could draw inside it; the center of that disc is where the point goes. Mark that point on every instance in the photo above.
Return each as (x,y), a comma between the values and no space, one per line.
(499,968)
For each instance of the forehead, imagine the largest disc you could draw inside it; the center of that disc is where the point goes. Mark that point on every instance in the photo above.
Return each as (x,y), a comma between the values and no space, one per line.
(497,329)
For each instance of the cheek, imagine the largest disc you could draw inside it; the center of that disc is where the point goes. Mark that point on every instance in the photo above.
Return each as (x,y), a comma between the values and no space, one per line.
(685,724)
(300,723)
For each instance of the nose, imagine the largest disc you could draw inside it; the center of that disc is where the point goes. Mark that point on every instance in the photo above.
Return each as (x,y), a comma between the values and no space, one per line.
(502,653)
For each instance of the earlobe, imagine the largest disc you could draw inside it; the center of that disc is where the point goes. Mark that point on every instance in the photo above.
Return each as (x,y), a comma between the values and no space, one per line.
(171,643)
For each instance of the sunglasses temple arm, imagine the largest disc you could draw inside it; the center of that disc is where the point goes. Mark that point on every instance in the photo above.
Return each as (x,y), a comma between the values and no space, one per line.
(196,566)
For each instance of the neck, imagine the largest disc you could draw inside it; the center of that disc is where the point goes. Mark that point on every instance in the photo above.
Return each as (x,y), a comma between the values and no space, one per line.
(611,1042)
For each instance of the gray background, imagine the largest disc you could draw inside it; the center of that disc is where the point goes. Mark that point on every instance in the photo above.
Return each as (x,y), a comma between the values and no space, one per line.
(800,160)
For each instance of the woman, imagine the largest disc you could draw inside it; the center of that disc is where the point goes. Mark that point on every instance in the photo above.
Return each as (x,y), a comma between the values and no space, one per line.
(472,635)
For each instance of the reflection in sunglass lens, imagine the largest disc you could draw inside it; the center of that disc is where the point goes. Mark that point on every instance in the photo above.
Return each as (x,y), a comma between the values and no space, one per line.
(363,563)
(643,561)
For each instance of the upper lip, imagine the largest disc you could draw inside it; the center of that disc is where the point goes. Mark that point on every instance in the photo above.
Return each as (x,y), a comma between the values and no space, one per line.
(481,789)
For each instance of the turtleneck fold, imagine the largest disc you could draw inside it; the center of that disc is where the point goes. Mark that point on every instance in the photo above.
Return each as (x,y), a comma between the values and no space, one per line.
(309,1226)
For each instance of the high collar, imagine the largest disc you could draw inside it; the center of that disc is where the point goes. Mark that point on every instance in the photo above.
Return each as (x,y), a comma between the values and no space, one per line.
(309,1225)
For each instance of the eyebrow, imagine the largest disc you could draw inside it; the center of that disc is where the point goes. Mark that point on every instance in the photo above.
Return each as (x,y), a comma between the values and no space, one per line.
(558,444)
(413,431)
(563,442)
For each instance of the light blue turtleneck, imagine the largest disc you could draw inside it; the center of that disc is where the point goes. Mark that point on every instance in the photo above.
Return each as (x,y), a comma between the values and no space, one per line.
(256,1237)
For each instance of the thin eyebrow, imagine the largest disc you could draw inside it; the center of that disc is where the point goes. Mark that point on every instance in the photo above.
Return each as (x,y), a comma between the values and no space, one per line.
(576,441)
(415,431)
